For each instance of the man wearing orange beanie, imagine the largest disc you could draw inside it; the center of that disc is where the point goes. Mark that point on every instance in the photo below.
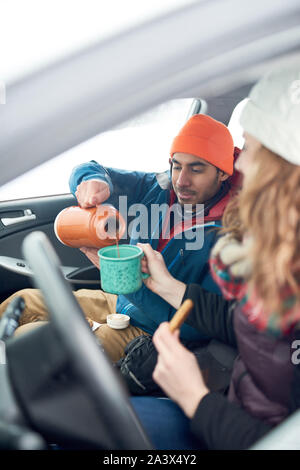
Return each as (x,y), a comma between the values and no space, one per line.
(207,139)
(201,159)
(201,164)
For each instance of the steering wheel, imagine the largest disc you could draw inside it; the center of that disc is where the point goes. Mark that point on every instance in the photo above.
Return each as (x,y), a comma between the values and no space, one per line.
(69,389)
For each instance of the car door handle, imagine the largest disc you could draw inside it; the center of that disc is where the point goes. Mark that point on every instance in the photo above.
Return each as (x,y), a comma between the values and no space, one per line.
(28,215)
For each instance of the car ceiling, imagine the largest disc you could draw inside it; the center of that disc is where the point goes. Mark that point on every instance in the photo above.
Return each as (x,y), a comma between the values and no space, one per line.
(227,45)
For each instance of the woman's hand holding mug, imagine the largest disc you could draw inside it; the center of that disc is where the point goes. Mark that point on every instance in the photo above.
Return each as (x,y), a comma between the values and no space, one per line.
(161,282)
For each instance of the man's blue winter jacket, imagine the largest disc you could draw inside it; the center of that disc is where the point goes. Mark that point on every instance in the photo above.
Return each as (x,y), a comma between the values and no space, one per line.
(146,309)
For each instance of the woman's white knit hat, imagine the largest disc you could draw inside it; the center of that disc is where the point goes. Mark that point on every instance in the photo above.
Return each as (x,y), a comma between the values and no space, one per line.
(272,113)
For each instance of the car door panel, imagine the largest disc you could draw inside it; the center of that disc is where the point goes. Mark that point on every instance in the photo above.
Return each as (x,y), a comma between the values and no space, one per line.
(20,217)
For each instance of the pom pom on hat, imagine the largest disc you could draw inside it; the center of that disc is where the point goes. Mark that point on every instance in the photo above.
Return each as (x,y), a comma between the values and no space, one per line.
(208,139)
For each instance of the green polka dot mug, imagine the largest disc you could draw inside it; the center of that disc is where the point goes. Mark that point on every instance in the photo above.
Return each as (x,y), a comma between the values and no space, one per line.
(120,269)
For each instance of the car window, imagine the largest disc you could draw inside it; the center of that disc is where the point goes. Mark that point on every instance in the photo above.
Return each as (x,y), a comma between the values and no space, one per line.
(142,144)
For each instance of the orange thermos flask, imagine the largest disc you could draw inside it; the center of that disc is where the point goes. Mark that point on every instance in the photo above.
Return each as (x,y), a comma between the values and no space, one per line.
(94,227)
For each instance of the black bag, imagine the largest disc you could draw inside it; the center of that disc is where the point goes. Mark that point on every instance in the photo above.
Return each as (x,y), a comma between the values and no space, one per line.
(138,365)
(215,359)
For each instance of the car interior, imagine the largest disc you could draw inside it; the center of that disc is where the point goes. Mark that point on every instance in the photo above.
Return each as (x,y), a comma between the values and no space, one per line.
(18,218)
(58,390)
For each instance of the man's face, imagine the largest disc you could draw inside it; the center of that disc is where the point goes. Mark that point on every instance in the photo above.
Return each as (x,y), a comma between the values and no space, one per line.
(194,180)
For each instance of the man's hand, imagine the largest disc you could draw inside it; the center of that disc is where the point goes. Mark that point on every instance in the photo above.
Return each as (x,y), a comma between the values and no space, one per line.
(92,254)
(92,193)
(177,371)
(154,264)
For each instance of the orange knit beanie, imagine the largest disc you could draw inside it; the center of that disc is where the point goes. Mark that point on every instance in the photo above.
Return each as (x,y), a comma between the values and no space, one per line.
(206,138)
